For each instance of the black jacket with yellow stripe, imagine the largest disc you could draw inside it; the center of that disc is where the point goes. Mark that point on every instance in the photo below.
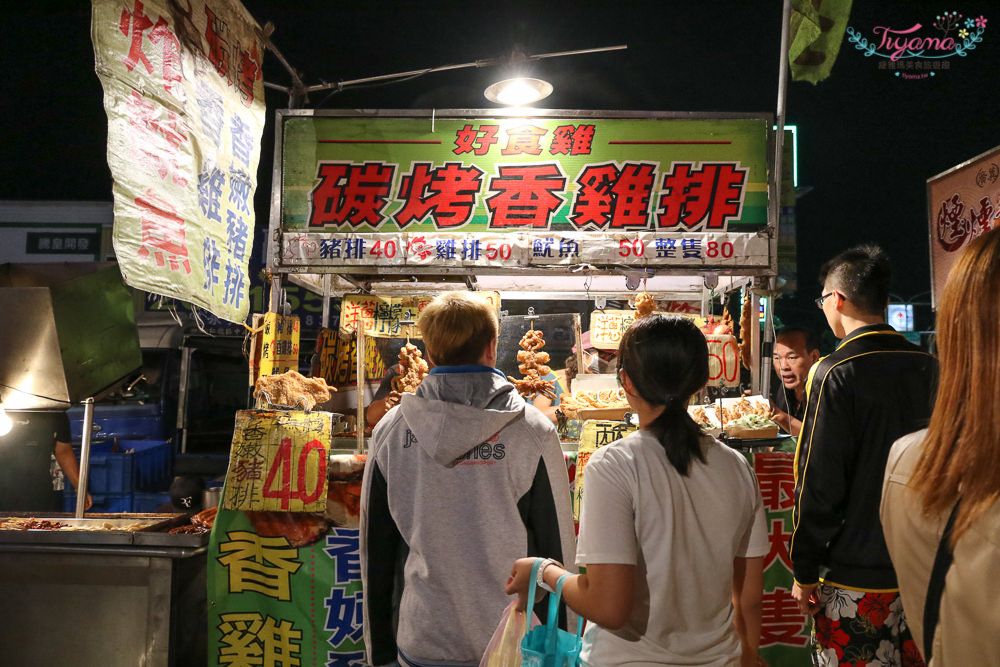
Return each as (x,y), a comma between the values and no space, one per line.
(874,388)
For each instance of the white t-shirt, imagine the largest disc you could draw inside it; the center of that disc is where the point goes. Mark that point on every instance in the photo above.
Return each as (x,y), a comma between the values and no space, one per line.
(682,534)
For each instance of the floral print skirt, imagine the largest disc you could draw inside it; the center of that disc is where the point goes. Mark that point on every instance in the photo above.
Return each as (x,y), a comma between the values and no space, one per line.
(854,628)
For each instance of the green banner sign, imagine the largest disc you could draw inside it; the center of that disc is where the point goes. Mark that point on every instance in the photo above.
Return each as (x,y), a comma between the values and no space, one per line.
(482,173)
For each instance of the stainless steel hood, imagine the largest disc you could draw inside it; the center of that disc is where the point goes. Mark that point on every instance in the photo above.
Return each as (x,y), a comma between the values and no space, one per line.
(67,331)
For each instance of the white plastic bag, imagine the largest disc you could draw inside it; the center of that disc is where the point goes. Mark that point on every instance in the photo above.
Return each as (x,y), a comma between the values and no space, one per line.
(504,649)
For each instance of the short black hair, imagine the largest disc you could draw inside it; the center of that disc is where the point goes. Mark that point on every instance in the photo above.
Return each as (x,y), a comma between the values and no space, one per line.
(862,274)
(808,334)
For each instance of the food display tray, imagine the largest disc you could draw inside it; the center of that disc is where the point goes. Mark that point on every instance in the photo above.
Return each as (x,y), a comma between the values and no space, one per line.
(161,537)
(153,533)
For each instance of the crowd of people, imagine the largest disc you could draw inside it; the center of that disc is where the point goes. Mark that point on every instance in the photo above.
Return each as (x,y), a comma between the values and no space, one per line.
(893,544)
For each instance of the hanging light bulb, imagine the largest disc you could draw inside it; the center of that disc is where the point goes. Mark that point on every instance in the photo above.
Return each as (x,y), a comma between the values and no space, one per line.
(519,91)
(5,423)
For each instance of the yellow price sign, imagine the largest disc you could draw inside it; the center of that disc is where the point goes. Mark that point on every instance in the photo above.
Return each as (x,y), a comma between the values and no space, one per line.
(279,351)
(386,316)
(608,326)
(596,433)
(278,461)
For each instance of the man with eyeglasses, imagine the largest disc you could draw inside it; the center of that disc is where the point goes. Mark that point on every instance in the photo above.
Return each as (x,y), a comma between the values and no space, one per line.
(796,349)
(873,389)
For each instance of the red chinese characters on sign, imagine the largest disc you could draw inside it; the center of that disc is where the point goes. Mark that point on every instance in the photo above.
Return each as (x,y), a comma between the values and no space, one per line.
(776,480)
(351,194)
(447,193)
(525,195)
(631,192)
(162,233)
(525,140)
(614,197)
(134,24)
(954,228)
(688,307)
(248,74)
(779,544)
(572,140)
(608,327)
(594,200)
(147,134)
(781,621)
(706,197)
(238,66)
(353,311)
(477,141)
(217,36)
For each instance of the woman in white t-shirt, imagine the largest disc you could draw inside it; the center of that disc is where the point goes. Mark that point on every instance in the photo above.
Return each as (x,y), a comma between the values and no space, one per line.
(672,530)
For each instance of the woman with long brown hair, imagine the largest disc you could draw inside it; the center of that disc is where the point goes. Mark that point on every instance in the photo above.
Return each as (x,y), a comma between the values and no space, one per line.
(949,474)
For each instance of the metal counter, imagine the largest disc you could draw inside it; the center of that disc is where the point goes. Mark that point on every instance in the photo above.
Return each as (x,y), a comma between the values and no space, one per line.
(102,604)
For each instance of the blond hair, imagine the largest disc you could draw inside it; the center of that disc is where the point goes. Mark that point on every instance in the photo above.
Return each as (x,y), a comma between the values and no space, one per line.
(961,454)
(457,327)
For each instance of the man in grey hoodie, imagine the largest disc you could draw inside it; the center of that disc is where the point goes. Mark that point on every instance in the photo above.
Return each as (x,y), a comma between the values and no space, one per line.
(462,478)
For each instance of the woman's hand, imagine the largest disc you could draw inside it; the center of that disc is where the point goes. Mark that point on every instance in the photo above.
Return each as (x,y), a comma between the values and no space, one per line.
(520,581)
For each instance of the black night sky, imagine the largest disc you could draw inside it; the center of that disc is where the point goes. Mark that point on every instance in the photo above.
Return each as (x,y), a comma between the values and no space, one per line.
(868,140)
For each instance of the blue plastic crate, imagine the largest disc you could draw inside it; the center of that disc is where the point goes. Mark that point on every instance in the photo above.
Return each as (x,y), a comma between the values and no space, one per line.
(119,421)
(109,472)
(149,501)
(153,463)
(107,503)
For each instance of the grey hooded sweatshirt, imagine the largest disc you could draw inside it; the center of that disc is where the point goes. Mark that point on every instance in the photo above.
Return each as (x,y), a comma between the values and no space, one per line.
(462,479)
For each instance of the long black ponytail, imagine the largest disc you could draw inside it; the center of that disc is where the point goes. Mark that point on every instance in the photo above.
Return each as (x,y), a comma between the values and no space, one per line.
(666,358)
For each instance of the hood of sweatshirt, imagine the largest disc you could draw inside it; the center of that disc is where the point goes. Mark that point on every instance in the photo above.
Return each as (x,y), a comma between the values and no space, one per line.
(455,410)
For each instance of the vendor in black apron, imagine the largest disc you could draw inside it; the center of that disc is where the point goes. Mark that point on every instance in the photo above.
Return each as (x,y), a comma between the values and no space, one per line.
(25,461)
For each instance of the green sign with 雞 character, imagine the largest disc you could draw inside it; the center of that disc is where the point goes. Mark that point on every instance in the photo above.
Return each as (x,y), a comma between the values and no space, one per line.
(563,187)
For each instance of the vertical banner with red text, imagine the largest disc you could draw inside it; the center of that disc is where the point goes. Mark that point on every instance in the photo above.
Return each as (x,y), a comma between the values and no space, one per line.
(184,95)
(784,630)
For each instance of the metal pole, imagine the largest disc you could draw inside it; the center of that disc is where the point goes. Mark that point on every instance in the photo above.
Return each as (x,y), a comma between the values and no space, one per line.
(182,396)
(578,337)
(275,305)
(756,363)
(327,279)
(774,210)
(487,62)
(768,348)
(362,421)
(779,133)
(81,486)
